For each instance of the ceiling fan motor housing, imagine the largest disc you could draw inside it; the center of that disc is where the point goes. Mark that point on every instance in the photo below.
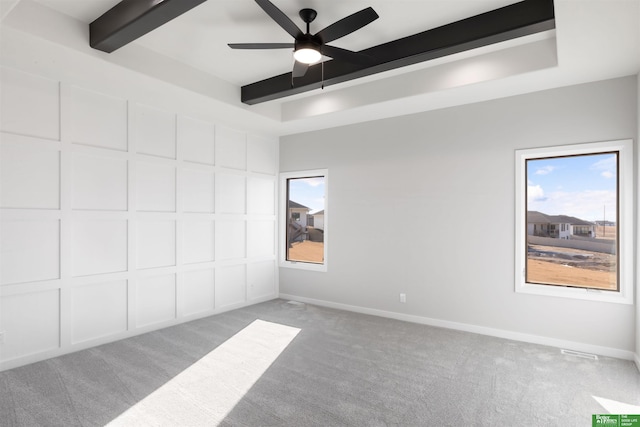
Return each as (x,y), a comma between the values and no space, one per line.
(308,41)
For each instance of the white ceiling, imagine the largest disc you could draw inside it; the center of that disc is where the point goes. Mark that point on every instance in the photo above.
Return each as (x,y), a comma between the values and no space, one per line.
(594,40)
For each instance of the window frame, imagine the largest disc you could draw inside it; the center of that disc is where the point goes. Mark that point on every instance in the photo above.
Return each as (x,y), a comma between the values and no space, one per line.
(624,295)
(282,249)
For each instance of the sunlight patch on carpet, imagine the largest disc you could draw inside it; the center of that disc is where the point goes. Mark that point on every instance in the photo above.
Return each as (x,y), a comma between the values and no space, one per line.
(205,392)
(615,407)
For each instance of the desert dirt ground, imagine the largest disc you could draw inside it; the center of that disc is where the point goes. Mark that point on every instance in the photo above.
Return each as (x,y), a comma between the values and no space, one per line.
(587,269)
(307,251)
(559,274)
(607,232)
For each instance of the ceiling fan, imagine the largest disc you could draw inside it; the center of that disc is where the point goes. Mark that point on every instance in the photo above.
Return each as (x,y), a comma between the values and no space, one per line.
(309,48)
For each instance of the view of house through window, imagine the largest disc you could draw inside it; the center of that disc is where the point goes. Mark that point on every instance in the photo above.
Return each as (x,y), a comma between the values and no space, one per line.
(572,221)
(305,219)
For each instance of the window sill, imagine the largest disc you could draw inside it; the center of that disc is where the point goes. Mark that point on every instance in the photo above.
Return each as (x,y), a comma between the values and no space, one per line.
(304,266)
(575,293)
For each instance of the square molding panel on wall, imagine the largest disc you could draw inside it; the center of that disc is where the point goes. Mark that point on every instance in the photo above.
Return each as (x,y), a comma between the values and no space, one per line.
(118,217)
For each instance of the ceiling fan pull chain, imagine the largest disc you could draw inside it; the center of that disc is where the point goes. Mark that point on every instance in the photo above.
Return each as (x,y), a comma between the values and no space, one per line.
(322,75)
(294,64)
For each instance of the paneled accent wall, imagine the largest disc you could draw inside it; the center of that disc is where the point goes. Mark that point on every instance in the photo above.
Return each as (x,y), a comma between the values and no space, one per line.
(119,218)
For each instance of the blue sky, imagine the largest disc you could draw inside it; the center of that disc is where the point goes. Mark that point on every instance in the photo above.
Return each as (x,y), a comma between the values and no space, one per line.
(580,186)
(308,192)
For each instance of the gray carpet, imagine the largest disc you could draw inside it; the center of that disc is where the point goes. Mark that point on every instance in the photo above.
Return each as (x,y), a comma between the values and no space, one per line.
(342,369)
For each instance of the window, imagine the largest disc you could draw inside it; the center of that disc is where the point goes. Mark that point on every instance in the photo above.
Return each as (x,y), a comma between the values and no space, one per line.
(303,228)
(574,224)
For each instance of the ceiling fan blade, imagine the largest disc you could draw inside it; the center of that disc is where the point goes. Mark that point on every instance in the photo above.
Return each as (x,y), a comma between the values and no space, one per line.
(281,19)
(347,55)
(261,45)
(299,69)
(347,25)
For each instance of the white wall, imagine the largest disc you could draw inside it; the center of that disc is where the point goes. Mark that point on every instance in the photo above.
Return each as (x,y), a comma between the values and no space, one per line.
(125,206)
(637,355)
(454,170)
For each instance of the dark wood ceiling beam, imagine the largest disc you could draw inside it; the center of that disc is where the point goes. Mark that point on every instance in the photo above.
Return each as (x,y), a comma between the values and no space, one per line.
(130,19)
(510,22)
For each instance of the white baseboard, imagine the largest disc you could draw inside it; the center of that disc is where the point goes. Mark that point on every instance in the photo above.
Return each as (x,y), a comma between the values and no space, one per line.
(482,330)
(40,356)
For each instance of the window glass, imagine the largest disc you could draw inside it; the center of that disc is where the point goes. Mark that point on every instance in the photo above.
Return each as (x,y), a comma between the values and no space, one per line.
(570,239)
(305,201)
(304,237)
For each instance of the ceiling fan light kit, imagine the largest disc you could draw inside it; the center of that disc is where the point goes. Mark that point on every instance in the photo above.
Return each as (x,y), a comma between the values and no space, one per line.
(307,55)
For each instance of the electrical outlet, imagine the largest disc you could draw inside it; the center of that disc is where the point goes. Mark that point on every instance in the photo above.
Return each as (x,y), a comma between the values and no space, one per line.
(403,297)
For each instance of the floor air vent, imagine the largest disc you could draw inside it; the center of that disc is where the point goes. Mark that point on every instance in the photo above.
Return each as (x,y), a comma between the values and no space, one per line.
(579,354)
